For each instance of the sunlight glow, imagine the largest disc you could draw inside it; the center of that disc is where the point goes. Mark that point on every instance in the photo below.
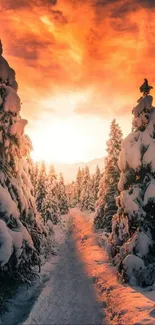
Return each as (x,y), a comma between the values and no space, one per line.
(66,140)
(59,142)
(71,139)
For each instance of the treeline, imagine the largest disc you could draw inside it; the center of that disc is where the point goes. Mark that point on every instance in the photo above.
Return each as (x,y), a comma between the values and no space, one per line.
(97,192)
(49,192)
(83,192)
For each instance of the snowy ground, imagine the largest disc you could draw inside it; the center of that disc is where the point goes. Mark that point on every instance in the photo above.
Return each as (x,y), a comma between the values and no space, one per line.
(21,304)
(79,285)
(122,304)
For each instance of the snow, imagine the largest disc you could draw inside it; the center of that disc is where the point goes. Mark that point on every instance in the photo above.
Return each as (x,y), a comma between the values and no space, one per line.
(120,303)
(50,224)
(143,102)
(12,100)
(18,127)
(130,202)
(122,181)
(134,155)
(25,234)
(6,247)
(146,137)
(132,146)
(139,243)
(7,205)
(149,156)
(131,263)
(149,193)
(17,241)
(21,303)
(123,304)
(143,242)
(131,152)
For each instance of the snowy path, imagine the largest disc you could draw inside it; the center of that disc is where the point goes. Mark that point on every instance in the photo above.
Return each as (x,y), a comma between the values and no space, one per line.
(79,286)
(68,297)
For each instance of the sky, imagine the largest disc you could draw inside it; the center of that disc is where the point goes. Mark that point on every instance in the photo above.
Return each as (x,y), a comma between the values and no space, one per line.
(79,65)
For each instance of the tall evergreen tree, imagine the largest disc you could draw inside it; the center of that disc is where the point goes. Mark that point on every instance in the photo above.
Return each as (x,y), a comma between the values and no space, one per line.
(42,187)
(87,198)
(71,194)
(50,204)
(133,226)
(106,206)
(34,175)
(21,229)
(96,182)
(62,197)
(79,184)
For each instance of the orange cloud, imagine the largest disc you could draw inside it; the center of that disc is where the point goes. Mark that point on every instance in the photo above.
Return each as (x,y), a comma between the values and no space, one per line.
(103,48)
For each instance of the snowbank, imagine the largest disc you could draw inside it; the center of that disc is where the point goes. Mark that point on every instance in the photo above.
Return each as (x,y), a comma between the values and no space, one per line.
(122,304)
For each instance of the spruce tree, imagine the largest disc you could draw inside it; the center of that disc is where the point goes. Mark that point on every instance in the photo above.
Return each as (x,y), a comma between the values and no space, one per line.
(34,172)
(42,187)
(133,226)
(50,204)
(79,184)
(21,230)
(62,197)
(106,205)
(71,192)
(96,182)
(87,198)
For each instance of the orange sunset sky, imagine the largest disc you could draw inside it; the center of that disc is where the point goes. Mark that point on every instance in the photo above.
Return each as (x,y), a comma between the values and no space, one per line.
(79,64)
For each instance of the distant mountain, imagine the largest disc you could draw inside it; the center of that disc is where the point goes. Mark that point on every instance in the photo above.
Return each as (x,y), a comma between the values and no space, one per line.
(69,171)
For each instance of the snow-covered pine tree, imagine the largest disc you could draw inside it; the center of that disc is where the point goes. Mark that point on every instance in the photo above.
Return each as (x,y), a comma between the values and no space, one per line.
(62,197)
(71,194)
(78,184)
(21,231)
(50,204)
(133,227)
(34,175)
(96,182)
(106,206)
(87,198)
(41,187)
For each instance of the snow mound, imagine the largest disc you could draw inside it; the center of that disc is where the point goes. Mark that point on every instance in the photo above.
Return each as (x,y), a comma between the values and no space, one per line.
(131,263)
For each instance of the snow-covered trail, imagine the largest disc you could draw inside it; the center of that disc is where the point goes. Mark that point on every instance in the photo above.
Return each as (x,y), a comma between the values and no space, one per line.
(65,294)
(79,286)
(69,296)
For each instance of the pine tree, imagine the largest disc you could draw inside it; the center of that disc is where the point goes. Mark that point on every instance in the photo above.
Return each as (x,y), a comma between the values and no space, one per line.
(96,182)
(50,205)
(62,197)
(41,188)
(71,192)
(34,175)
(79,184)
(106,206)
(87,198)
(133,226)
(21,229)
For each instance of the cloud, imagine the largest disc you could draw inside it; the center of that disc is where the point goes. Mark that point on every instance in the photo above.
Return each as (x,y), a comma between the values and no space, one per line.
(24,4)
(102,48)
